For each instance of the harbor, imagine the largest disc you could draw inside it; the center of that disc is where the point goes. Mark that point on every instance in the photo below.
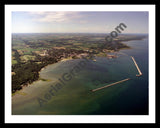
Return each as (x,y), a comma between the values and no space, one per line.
(140,73)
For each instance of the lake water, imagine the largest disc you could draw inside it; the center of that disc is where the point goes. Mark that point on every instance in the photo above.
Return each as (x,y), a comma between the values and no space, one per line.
(75,97)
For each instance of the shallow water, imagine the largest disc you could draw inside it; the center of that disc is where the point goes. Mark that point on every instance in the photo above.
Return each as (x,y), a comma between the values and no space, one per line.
(74,95)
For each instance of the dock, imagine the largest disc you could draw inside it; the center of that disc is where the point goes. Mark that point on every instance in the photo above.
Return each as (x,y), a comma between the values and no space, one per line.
(140,73)
(110,84)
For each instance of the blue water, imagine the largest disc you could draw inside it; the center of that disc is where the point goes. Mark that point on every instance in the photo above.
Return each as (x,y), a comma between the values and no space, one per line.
(134,99)
(75,97)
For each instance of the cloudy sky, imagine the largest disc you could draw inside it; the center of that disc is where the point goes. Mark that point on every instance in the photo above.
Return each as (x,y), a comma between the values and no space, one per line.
(78,22)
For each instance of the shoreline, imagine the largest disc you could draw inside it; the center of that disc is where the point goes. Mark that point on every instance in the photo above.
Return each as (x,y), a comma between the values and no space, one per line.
(39,78)
(70,58)
(43,79)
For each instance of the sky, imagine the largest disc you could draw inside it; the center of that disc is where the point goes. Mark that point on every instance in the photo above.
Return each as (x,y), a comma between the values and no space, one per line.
(78,21)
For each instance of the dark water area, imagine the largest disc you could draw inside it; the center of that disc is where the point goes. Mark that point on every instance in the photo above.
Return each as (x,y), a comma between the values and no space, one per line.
(75,96)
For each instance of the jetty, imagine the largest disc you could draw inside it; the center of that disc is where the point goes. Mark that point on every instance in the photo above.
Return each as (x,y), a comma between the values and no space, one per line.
(110,84)
(140,73)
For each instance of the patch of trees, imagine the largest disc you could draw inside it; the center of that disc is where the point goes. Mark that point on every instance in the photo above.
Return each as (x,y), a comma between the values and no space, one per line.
(16,55)
(25,74)
(116,45)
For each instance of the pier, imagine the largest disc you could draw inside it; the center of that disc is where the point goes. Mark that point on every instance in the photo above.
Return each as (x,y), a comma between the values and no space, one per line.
(140,73)
(110,84)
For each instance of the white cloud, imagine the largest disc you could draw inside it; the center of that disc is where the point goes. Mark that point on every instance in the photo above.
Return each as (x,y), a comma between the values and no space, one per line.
(59,16)
(83,21)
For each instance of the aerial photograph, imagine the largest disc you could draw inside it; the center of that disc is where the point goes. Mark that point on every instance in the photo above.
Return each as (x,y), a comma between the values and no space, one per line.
(79,63)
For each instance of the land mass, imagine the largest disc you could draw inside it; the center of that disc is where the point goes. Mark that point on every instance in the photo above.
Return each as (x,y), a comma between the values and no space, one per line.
(32,52)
